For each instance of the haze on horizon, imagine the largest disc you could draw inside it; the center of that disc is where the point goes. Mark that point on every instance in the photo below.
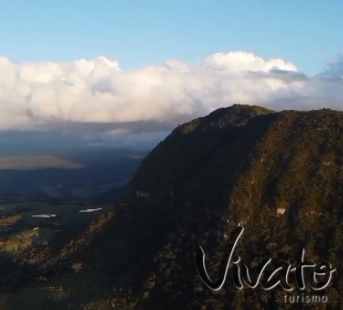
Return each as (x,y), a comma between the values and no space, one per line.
(66,84)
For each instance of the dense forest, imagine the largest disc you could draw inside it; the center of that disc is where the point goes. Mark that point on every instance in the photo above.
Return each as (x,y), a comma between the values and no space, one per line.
(279,175)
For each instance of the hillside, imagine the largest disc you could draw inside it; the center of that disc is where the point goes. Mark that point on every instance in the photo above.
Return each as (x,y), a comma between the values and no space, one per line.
(277,174)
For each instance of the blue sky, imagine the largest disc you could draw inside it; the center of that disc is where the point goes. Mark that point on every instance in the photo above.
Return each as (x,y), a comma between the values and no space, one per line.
(139,33)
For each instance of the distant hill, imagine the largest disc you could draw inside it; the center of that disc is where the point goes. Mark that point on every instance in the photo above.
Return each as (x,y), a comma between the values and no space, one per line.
(85,173)
(36,162)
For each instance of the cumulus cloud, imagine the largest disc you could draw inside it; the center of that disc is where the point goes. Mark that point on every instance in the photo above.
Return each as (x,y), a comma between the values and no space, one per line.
(240,61)
(99,96)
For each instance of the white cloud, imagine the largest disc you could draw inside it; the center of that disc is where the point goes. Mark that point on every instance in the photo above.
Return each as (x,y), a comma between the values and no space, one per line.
(240,61)
(41,94)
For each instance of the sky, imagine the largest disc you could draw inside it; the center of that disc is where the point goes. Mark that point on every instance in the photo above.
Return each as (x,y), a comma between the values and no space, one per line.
(139,33)
(114,69)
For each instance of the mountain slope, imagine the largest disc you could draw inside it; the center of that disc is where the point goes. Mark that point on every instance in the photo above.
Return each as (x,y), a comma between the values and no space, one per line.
(279,174)
(213,174)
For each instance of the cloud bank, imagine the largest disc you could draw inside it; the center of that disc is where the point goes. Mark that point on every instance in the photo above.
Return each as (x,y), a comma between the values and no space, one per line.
(98,96)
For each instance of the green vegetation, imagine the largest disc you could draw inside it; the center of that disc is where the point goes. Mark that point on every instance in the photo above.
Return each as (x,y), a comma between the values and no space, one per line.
(237,165)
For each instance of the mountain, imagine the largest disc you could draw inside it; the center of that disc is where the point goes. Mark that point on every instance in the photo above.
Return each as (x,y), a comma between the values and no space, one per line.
(279,175)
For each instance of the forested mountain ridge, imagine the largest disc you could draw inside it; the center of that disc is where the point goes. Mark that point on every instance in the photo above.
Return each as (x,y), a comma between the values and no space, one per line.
(277,174)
